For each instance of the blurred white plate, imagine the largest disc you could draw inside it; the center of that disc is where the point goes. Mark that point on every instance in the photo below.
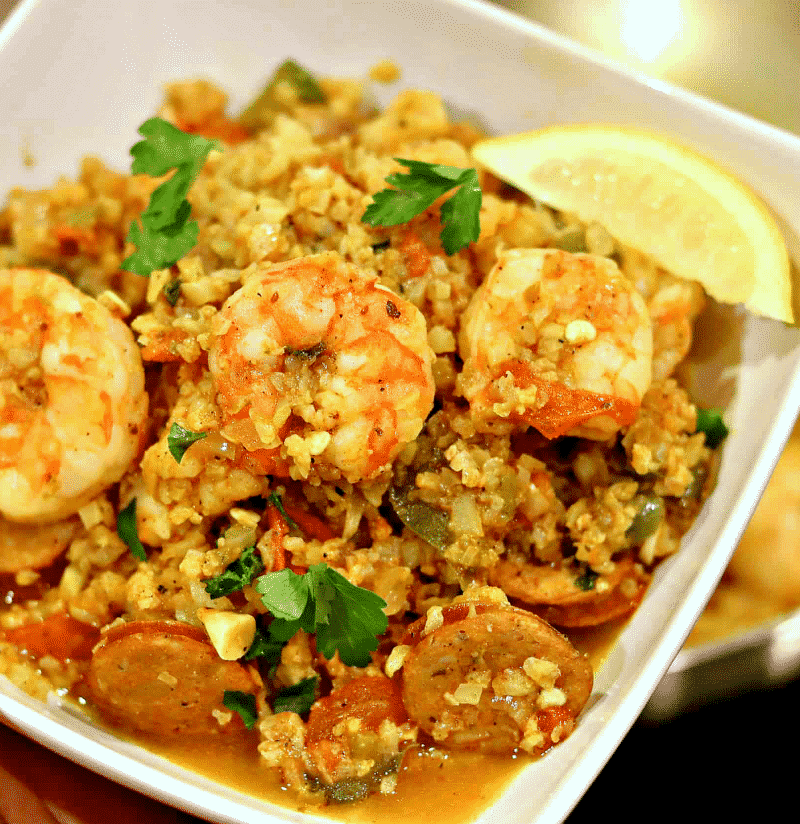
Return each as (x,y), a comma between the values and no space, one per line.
(79,78)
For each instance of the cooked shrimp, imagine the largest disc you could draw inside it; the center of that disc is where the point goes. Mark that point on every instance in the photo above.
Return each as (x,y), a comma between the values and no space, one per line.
(491,677)
(674,305)
(72,397)
(320,371)
(26,546)
(556,341)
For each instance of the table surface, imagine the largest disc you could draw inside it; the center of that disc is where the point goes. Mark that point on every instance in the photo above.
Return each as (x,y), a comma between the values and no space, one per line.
(743,54)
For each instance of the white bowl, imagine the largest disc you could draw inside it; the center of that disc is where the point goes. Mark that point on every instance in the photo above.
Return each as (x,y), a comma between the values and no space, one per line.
(79,77)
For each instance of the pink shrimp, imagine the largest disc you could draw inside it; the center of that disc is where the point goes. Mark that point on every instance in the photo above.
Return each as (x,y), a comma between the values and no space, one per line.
(320,370)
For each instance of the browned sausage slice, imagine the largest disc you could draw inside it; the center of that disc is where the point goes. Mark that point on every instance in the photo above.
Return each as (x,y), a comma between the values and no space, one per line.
(165,678)
(493,678)
(344,732)
(24,546)
(553,593)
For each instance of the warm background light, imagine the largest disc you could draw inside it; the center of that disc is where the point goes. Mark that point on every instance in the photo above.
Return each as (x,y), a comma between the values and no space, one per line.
(743,53)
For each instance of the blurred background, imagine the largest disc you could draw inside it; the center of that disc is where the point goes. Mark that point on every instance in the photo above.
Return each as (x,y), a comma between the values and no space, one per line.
(713,742)
(743,53)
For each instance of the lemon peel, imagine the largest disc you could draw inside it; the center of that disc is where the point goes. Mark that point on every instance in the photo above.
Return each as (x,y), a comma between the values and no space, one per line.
(694,218)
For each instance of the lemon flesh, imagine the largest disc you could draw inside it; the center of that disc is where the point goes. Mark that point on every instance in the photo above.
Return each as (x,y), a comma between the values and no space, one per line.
(695,219)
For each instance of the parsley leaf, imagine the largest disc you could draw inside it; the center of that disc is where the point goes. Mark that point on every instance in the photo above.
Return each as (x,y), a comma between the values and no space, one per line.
(237,575)
(163,234)
(416,191)
(267,646)
(345,618)
(180,439)
(243,703)
(126,529)
(297,698)
(709,422)
(284,593)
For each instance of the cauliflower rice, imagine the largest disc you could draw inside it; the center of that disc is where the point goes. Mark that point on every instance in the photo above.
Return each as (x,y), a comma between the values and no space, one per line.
(500,464)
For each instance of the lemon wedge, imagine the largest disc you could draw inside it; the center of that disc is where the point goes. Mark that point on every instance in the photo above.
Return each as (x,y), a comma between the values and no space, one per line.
(694,218)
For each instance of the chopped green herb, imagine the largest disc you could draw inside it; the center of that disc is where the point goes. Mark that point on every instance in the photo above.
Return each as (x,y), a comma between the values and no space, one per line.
(263,109)
(347,790)
(276,501)
(308,354)
(242,703)
(694,491)
(649,514)
(180,439)
(267,646)
(301,80)
(710,423)
(587,581)
(345,618)
(172,291)
(236,575)
(297,698)
(163,234)
(428,523)
(381,245)
(416,191)
(126,529)
(285,594)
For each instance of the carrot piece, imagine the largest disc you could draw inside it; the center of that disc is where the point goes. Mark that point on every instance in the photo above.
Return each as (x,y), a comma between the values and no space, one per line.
(161,348)
(223,128)
(311,524)
(60,635)
(567,408)
(415,255)
(280,529)
(74,240)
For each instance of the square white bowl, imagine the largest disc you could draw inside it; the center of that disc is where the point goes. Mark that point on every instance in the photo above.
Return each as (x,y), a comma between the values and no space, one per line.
(81,75)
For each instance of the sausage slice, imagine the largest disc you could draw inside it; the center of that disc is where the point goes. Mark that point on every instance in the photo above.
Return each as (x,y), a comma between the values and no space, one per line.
(552,592)
(493,678)
(165,678)
(343,735)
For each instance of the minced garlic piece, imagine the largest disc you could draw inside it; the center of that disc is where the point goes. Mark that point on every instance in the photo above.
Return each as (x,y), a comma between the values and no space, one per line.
(167,678)
(222,718)
(114,303)
(91,514)
(532,737)
(541,671)
(512,681)
(434,620)
(482,595)
(579,331)
(467,694)
(396,658)
(231,633)
(551,698)
(72,581)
